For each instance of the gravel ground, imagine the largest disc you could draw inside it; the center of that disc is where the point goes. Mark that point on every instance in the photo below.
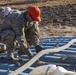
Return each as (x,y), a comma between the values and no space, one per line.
(58,16)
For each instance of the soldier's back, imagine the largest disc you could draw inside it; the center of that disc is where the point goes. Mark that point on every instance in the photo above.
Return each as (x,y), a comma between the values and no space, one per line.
(14,15)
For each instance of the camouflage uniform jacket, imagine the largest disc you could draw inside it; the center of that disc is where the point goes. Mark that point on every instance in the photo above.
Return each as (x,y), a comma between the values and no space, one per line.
(17,23)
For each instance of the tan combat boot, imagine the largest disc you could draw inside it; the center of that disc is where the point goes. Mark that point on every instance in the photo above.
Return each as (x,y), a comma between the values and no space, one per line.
(26,52)
(10,56)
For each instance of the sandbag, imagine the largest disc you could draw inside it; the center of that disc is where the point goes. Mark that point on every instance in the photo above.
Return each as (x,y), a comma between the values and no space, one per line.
(61,71)
(43,70)
(51,70)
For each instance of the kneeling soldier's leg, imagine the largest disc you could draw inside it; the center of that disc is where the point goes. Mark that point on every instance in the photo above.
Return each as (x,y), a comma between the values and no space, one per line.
(8,38)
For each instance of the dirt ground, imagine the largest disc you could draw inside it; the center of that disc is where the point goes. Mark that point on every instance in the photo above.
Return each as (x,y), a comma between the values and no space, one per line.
(58,16)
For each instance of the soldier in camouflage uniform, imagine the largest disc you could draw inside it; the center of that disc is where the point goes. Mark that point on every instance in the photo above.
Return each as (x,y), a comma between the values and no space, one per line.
(21,26)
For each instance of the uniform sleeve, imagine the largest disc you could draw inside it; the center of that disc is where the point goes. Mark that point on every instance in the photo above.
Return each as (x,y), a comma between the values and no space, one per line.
(18,28)
(5,24)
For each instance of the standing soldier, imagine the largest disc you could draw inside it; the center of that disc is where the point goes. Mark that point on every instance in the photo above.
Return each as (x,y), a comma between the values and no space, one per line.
(21,26)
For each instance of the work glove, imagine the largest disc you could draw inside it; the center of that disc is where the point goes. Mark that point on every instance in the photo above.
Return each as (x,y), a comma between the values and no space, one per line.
(38,48)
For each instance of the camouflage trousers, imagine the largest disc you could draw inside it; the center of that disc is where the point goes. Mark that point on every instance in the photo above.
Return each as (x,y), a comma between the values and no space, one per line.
(32,35)
(8,38)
